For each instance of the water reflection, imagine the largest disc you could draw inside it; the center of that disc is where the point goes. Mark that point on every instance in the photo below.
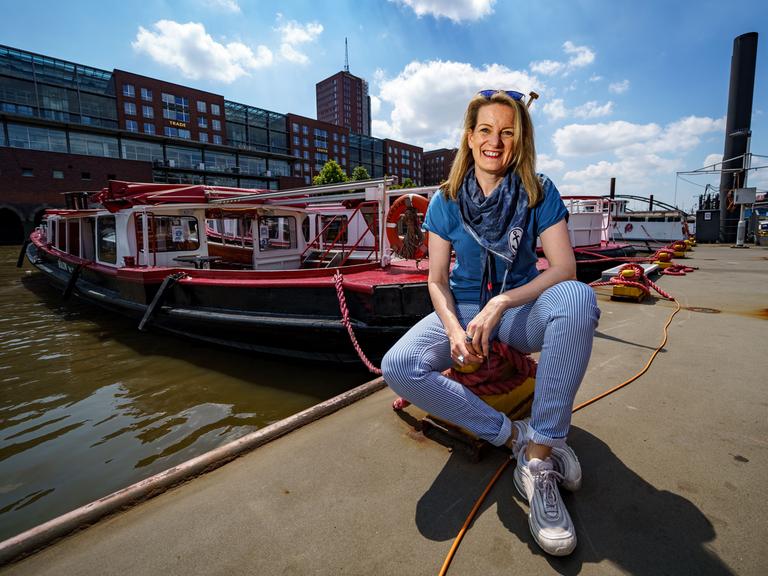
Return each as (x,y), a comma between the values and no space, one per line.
(89,405)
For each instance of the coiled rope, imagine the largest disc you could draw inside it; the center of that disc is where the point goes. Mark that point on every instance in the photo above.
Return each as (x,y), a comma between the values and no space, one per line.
(338,280)
(632,275)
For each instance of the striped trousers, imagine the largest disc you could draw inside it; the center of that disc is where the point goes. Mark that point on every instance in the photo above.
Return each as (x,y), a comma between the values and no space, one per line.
(560,323)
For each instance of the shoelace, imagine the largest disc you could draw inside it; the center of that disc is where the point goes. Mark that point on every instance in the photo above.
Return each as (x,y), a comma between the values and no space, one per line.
(546,481)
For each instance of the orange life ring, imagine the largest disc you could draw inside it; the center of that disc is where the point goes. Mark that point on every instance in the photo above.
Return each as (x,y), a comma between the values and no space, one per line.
(397,242)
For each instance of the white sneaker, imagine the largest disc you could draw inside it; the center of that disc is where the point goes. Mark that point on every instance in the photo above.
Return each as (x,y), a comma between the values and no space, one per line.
(563,457)
(548,519)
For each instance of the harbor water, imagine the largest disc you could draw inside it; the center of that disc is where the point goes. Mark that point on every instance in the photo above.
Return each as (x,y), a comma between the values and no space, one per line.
(89,405)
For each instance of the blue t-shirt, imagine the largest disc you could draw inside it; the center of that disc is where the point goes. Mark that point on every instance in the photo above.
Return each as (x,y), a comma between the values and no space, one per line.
(444,219)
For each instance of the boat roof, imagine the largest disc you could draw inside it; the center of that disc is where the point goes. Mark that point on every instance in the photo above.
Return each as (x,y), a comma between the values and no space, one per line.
(119,195)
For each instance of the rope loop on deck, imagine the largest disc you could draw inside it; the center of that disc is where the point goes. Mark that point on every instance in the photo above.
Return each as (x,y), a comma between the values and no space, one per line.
(338,280)
(503,371)
(633,275)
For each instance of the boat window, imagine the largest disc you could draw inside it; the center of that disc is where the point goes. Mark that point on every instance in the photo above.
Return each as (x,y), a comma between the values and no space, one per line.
(168,233)
(107,239)
(336,230)
(73,237)
(277,232)
(51,232)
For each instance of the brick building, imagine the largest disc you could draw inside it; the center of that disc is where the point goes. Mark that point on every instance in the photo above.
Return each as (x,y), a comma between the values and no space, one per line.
(437,165)
(404,161)
(313,143)
(343,99)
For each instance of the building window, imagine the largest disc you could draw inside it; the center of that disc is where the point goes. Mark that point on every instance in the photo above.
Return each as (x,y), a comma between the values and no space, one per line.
(305,130)
(203,136)
(175,107)
(305,141)
(215,109)
(132,125)
(129,90)
(296,140)
(201,107)
(85,175)
(184,133)
(217,139)
(148,111)
(306,154)
(58,175)
(202,121)
(149,128)
(28,172)
(295,127)
(216,124)
(130,108)
(146,94)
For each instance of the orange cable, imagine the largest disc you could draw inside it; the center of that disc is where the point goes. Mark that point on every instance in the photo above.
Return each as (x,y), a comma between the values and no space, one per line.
(475,508)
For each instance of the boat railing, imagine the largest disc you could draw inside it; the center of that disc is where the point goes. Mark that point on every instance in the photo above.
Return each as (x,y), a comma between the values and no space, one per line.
(347,249)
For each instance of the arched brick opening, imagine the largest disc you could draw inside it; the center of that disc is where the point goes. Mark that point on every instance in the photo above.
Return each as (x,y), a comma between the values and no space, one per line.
(11,227)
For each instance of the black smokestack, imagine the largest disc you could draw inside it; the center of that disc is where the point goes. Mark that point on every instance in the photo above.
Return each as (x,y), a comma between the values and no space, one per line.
(737,127)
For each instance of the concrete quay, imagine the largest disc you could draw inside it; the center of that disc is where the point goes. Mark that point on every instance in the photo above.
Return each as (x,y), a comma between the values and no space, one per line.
(675,468)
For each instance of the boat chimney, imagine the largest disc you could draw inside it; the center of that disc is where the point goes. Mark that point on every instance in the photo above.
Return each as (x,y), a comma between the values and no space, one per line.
(737,129)
(613,188)
(650,203)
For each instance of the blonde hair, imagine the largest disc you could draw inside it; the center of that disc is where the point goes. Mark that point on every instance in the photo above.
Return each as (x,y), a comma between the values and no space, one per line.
(523,158)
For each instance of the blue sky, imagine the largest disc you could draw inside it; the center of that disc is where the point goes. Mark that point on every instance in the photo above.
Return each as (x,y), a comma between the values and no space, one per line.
(635,90)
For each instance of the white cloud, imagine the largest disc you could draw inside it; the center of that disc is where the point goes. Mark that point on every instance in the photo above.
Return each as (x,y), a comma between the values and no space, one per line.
(556,109)
(547,67)
(583,139)
(712,159)
(196,54)
(424,104)
(580,56)
(595,78)
(546,164)
(375,105)
(293,34)
(225,5)
(592,109)
(619,87)
(456,10)
(640,152)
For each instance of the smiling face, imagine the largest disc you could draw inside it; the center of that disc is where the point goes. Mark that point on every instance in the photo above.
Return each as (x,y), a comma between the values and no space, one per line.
(493,143)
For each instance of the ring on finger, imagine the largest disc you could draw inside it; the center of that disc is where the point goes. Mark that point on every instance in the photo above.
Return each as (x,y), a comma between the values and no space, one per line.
(460,358)
(468,338)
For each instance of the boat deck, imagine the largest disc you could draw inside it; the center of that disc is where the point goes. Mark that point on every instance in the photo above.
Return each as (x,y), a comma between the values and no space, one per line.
(674,469)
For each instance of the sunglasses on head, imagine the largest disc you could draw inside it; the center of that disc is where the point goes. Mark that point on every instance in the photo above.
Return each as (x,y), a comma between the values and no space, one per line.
(487,94)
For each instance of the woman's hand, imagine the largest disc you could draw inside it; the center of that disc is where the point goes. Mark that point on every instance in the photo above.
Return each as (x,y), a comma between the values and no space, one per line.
(461,351)
(481,327)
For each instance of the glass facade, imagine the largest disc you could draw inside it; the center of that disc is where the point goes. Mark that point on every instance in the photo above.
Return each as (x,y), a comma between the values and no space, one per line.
(253,128)
(368,152)
(145,151)
(37,138)
(34,85)
(179,157)
(93,145)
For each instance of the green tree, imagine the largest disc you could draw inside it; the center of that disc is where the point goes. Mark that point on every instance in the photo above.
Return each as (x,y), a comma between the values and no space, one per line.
(360,173)
(408,183)
(330,174)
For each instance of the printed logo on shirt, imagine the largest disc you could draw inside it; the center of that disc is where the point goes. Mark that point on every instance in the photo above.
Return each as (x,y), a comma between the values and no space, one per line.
(515,235)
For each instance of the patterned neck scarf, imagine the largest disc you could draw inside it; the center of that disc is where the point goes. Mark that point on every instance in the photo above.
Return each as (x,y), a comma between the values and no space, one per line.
(497,223)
